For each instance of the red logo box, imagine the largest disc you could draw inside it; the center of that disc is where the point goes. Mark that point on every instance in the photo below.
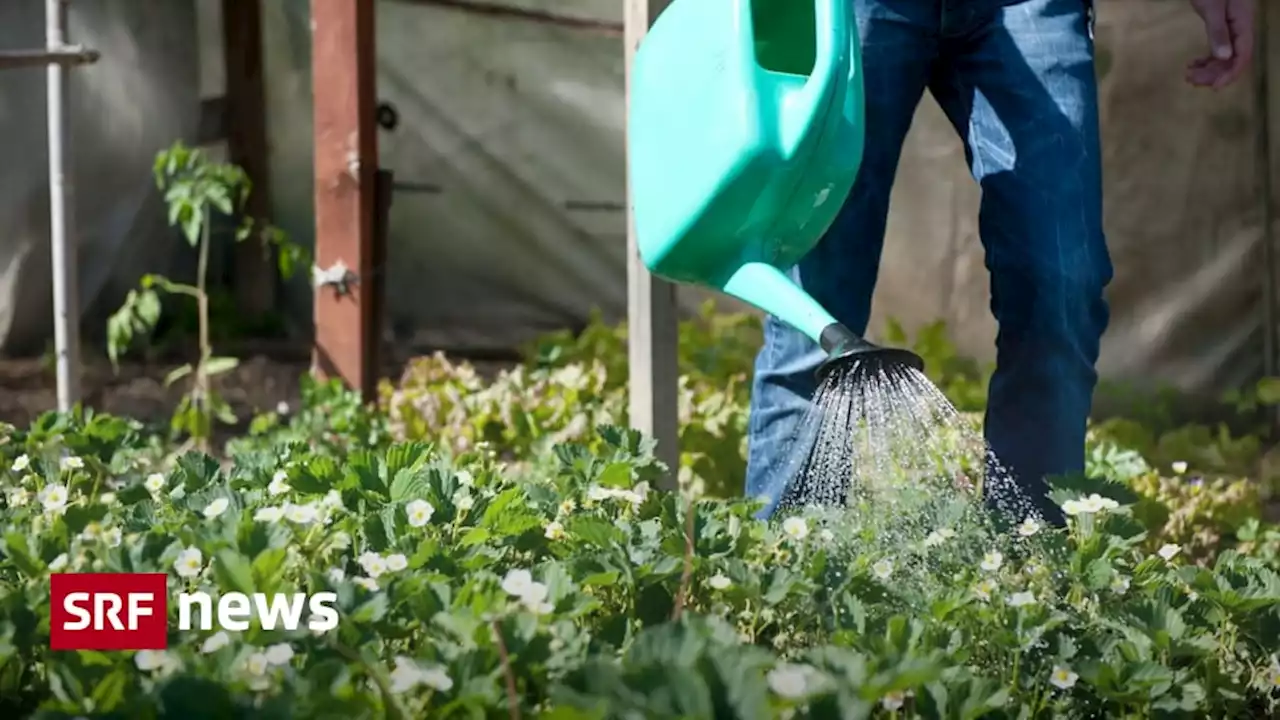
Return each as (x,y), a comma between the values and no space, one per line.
(108,611)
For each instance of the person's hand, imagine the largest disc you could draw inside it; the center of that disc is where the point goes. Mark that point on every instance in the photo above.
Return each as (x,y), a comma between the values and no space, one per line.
(1230,26)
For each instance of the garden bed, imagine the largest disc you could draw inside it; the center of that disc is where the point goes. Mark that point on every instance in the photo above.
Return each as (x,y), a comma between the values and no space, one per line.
(500,548)
(28,388)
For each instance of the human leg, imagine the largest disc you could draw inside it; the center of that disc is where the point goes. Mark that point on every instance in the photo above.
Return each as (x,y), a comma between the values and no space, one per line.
(1020,87)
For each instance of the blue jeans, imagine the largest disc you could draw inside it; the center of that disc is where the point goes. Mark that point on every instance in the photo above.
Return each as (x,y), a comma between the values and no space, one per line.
(1016,79)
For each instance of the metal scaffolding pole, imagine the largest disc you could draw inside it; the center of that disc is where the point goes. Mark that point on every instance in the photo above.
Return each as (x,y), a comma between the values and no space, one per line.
(66,302)
(59,57)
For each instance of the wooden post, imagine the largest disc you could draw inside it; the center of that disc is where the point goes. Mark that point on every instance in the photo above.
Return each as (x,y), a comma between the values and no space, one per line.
(651,304)
(255,276)
(346,163)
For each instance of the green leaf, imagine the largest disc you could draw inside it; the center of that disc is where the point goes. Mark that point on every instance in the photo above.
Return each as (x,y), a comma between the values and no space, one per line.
(133,494)
(405,455)
(508,516)
(78,517)
(1098,574)
(17,550)
(177,374)
(197,470)
(475,536)
(317,475)
(219,365)
(594,531)
(616,475)
(410,484)
(1269,390)
(373,610)
(362,472)
(189,697)
(110,691)
(233,570)
(266,567)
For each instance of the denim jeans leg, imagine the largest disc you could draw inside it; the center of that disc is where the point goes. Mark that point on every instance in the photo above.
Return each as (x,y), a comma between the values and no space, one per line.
(897,49)
(1021,89)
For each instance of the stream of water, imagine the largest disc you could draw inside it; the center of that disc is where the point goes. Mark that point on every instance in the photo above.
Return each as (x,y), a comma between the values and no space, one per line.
(883,439)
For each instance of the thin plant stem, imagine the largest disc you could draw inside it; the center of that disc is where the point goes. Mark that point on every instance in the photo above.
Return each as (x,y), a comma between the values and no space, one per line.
(686,577)
(513,697)
(203,406)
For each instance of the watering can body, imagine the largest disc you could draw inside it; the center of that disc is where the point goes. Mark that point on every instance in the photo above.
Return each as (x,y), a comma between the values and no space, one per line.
(744,137)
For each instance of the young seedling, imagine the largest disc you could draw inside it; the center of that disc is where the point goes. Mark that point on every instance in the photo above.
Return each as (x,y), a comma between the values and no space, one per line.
(194,188)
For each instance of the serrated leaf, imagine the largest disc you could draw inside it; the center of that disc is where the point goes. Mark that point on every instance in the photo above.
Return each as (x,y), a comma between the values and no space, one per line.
(110,691)
(362,472)
(410,484)
(373,609)
(318,476)
(1098,574)
(507,515)
(78,517)
(197,470)
(266,567)
(405,455)
(190,697)
(474,536)
(615,475)
(17,550)
(594,531)
(234,570)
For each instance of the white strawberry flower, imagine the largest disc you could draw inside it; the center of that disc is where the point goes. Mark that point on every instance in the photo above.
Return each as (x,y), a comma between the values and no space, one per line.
(279,484)
(1063,678)
(992,561)
(216,508)
(215,642)
(419,512)
(189,563)
(796,528)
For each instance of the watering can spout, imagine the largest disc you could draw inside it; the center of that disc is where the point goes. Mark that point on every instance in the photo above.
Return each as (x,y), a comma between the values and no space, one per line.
(845,347)
(769,289)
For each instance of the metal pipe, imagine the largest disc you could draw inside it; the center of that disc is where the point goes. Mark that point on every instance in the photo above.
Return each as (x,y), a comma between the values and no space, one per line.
(63,55)
(66,306)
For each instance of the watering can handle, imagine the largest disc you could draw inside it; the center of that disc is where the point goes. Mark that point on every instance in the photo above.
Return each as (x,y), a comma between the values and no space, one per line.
(835,49)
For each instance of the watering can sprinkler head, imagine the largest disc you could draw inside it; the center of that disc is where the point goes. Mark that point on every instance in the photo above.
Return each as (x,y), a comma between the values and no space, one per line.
(844,347)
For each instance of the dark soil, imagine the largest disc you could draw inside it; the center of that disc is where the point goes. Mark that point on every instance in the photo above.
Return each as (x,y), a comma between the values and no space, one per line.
(269,374)
(28,388)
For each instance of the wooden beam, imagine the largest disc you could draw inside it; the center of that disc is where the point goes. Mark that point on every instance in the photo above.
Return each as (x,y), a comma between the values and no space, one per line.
(254,277)
(346,163)
(507,11)
(651,303)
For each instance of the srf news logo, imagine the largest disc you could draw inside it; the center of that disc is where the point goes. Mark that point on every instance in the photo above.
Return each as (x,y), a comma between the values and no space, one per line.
(130,611)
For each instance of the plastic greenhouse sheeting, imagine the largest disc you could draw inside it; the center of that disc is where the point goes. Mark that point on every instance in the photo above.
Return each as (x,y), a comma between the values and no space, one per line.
(141,96)
(519,124)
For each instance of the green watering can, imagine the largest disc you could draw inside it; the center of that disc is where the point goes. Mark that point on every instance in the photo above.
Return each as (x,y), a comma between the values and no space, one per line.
(745,133)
